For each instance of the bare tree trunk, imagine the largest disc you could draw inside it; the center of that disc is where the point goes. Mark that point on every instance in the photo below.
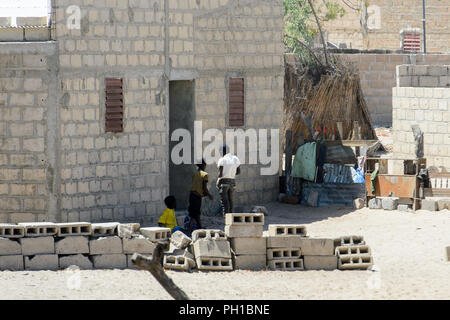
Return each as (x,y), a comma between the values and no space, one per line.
(154,266)
(327,60)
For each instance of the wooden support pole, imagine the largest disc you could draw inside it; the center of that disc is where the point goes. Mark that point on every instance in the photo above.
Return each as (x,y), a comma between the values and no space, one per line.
(154,266)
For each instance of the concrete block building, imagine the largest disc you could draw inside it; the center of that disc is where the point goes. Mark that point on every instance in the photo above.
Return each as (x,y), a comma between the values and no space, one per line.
(86,117)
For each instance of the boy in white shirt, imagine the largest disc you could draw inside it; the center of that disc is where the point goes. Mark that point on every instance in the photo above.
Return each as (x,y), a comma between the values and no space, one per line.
(229,168)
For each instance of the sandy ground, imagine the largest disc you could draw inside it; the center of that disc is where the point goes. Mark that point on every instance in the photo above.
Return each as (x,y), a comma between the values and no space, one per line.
(408,251)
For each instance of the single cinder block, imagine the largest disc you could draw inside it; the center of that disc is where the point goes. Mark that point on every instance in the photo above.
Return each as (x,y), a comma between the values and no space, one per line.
(126,230)
(39,229)
(286,230)
(156,233)
(283,253)
(72,245)
(138,245)
(179,240)
(110,261)
(9,247)
(286,264)
(8,230)
(212,248)
(208,234)
(244,231)
(42,262)
(317,246)
(242,246)
(12,263)
(104,229)
(429,204)
(403,207)
(320,262)
(178,262)
(358,203)
(250,261)
(351,262)
(244,219)
(375,203)
(283,242)
(106,245)
(182,252)
(389,203)
(74,229)
(79,260)
(214,264)
(444,204)
(37,245)
(349,241)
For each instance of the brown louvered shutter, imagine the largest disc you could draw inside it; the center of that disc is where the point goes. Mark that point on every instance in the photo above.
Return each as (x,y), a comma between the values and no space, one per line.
(114,105)
(411,42)
(236,102)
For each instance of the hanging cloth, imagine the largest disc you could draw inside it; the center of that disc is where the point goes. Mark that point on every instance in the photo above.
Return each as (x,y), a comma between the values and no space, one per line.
(304,165)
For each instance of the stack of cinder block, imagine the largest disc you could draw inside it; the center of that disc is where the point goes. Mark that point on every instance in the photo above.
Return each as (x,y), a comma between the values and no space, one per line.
(180,255)
(353,253)
(284,246)
(245,231)
(212,250)
(52,246)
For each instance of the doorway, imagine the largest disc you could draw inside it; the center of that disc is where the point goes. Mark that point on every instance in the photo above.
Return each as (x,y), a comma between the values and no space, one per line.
(181,115)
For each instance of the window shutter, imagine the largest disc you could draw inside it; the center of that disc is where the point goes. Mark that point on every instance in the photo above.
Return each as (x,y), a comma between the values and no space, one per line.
(114,105)
(411,41)
(236,102)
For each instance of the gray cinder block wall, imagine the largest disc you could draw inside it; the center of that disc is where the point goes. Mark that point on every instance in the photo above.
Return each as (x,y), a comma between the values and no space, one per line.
(422,97)
(56,161)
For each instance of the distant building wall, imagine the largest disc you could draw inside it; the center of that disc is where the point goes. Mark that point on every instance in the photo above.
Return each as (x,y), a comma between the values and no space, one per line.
(427,104)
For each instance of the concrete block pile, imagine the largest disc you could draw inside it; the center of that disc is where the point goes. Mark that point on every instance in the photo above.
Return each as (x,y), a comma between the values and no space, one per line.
(212,250)
(393,203)
(53,246)
(284,246)
(353,253)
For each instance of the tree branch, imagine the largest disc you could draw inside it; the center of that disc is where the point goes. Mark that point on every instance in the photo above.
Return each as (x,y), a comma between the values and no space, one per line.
(308,48)
(327,60)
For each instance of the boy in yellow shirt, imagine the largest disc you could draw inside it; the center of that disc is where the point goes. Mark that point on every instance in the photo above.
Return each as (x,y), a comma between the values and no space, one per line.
(168,219)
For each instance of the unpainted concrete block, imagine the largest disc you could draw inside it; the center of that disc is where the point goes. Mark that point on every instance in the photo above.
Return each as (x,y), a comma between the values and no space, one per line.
(178,262)
(106,245)
(429,204)
(242,219)
(39,229)
(179,240)
(403,207)
(12,263)
(37,245)
(42,262)
(37,34)
(110,261)
(286,230)
(9,247)
(74,229)
(244,231)
(286,264)
(5,21)
(389,203)
(126,230)
(349,241)
(320,262)
(138,245)
(250,262)
(8,230)
(245,246)
(375,203)
(283,241)
(317,246)
(212,248)
(11,34)
(214,264)
(79,260)
(31,21)
(358,203)
(156,233)
(72,245)
(104,229)
(313,198)
(352,262)
(283,253)
(208,234)
(444,204)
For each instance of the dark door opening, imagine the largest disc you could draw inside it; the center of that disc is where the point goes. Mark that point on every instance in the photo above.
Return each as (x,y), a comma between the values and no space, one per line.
(181,115)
